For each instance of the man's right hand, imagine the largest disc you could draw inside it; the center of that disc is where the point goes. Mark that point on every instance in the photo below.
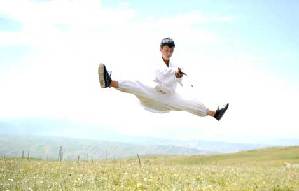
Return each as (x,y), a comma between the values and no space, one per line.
(179,73)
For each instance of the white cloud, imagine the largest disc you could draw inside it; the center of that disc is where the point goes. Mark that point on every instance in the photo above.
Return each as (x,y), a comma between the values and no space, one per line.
(70,38)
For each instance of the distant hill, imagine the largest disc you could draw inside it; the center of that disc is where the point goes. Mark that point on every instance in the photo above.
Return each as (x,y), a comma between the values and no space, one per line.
(47,147)
(42,138)
(106,139)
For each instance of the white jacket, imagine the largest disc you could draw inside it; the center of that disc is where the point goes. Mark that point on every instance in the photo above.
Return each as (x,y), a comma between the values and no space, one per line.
(165,78)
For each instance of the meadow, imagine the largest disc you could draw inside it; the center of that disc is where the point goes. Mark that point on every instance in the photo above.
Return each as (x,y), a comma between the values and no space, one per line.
(275,169)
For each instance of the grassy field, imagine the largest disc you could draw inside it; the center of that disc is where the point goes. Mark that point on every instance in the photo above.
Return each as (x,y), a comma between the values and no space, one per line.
(274,169)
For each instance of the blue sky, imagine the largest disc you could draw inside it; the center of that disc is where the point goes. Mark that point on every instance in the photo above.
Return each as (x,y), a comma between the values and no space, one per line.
(247,51)
(267,29)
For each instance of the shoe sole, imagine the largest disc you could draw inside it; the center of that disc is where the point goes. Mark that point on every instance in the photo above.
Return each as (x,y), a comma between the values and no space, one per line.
(101,75)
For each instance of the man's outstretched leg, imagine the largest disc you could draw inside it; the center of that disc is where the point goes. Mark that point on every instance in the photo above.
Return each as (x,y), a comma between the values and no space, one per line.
(133,87)
(195,107)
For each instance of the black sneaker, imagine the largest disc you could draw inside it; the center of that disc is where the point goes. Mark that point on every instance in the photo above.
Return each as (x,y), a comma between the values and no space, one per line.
(220,112)
(104,76)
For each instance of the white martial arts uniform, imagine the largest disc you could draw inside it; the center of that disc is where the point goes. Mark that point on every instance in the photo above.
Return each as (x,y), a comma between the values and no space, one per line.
(162,97)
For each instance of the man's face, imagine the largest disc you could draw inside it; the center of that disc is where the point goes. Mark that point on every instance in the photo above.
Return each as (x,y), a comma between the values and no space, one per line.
(166,52)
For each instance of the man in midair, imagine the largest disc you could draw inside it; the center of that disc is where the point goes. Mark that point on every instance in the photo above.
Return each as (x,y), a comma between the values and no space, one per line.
(162,97)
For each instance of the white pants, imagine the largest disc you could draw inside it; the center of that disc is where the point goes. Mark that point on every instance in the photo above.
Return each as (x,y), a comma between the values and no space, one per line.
(155,100)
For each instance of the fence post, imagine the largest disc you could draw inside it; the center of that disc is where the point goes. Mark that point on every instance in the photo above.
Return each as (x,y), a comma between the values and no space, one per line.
(60,154)
(139,160)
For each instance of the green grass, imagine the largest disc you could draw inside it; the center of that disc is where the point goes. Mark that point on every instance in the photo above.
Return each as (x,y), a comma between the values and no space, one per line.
(263,169)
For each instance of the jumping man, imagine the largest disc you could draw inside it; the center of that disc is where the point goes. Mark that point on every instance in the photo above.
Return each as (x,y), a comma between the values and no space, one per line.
(162,97)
